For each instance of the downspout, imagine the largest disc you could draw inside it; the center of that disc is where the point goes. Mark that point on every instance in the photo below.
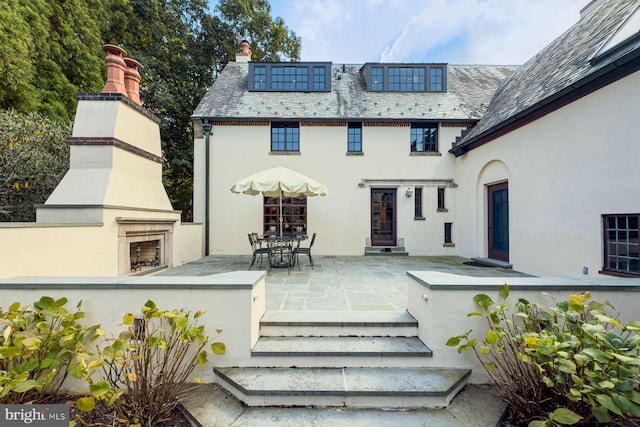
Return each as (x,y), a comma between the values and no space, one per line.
(206,127)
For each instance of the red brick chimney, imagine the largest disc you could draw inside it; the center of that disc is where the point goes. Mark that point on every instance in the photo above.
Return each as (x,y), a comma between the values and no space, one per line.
(115,69)
(245,55)
(132,79)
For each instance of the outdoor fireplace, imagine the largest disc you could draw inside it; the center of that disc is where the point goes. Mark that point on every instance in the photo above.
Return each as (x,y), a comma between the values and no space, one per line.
(144,244)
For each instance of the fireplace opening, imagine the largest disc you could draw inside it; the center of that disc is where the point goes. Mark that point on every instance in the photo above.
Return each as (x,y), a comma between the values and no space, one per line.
(144,255)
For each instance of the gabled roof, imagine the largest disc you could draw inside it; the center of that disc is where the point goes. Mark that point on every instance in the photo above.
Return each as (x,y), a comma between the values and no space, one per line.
(588,56)
(470,88)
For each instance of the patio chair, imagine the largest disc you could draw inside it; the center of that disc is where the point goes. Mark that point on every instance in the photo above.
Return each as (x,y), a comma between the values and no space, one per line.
(256,249)
(304,251)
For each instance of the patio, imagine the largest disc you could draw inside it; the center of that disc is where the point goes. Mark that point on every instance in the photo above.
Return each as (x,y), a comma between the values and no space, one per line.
(340,283)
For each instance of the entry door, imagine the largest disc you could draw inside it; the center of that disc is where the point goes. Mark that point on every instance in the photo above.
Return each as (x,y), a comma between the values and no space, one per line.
(498,205)
(383,217)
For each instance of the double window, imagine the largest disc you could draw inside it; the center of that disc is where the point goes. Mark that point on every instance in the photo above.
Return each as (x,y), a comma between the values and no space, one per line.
(621,245)
(285,136)
(424,137)
(405,77)
(290,77)
(354,137)
(294,216)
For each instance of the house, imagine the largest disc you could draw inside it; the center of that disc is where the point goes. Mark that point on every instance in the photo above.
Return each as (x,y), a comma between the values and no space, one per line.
(534,166)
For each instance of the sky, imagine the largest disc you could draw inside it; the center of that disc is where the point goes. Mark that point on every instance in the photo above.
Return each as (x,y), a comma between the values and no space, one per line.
(450,31)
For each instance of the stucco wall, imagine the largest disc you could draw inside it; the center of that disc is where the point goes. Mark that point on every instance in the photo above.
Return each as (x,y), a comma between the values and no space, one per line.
(342,219)
(565,171)
(440,302)
(234,303)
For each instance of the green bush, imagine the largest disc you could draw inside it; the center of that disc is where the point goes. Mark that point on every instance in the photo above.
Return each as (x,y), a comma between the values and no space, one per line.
(143,371)
(37,349)
(559,365)
(34,156)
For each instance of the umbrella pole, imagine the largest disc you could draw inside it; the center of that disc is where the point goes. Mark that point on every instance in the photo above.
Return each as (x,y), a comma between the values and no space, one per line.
(281,214)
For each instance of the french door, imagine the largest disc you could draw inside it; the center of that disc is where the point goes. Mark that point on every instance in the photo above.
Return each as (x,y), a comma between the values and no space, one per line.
(383,217)
(498,221)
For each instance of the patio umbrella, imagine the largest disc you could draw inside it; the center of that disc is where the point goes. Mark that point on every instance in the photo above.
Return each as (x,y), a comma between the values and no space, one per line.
(279,182)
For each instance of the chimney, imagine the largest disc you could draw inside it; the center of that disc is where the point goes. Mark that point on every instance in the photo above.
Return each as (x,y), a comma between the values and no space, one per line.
(132,79)
(115,69)
(245,55)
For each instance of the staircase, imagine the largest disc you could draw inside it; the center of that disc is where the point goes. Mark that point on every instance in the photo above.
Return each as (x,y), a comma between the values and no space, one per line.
(336,359)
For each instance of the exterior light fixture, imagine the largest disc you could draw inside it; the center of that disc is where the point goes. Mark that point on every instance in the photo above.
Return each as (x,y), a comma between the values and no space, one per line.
(409,192)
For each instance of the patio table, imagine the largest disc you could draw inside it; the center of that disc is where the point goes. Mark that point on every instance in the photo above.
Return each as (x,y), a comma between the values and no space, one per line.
(281,247)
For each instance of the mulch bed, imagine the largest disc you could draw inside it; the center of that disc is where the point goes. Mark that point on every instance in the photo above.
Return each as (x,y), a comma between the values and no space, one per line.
(103,416)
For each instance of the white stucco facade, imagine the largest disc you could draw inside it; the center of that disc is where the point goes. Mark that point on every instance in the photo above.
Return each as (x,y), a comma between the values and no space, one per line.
(564,171)
(341,220)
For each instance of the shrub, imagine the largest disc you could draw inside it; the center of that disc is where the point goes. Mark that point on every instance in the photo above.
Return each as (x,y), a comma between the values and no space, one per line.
(34,156)
(559,365)
(144,370)
(37,348)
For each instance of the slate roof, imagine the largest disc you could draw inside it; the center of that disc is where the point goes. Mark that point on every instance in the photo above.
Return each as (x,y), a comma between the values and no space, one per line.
(561,68)
(470,88)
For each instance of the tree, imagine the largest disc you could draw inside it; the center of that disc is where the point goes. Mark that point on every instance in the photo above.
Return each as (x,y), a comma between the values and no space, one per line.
(34,156)
(182,48)
(51,51)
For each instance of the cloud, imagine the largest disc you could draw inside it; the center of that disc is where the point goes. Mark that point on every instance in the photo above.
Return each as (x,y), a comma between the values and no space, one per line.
(454,31)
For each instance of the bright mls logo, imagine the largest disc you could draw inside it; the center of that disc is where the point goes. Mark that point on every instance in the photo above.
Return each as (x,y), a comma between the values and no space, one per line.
(34,415)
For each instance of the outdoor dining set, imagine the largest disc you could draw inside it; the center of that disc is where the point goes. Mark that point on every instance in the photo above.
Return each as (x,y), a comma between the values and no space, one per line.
(280,251)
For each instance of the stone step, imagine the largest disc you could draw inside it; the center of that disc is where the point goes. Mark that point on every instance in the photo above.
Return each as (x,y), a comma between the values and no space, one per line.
(350,387)
(324,323)
(340,352)
(385,251)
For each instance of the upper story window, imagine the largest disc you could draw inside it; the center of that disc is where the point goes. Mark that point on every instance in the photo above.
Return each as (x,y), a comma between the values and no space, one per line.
(424,137)
(354,137)
(285,137)
(377,78)
(290,77)
(405,77)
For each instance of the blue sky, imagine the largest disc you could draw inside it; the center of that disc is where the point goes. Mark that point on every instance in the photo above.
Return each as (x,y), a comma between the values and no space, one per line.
(452,31)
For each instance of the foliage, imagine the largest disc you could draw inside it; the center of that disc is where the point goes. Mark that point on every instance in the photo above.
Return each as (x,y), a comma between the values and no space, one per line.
(143,371)
(182,48)
(37,347)
(51,50)
(34,157)
(559,364)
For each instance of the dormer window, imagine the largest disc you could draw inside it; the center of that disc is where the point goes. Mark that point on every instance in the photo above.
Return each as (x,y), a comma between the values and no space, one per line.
(405,77)
(290,77)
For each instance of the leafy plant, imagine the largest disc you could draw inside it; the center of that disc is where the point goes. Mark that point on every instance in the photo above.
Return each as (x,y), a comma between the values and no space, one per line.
(37,348)
(562,364)
(144,370)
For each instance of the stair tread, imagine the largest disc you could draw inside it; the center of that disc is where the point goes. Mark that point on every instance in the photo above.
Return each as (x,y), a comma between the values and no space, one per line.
(340,346)
(341,318)
(345,381)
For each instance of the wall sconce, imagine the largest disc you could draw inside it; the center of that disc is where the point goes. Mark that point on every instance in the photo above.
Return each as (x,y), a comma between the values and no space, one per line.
(409,192)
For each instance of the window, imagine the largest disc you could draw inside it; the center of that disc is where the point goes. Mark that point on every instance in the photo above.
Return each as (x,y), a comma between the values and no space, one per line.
(405,77)
(418,204)
(290,77)
(436,79)
(294,216)
(319,78)
(377,78)
(424,137)
(447,233)
(285,137)
(354,137)
(621,254)
(260,78)
(441,205)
